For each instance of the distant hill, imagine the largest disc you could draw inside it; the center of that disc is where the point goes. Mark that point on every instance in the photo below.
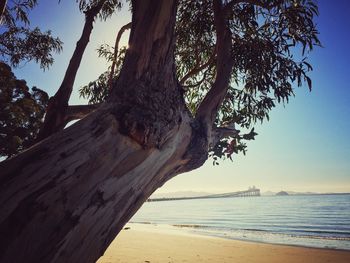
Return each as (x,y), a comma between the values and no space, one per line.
(270,193)
(282,193)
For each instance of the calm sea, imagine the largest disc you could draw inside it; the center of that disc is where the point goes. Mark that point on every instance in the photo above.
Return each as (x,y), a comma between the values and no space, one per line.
(310,220)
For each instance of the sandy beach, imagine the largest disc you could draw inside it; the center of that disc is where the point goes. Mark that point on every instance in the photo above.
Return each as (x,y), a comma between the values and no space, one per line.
(152,244)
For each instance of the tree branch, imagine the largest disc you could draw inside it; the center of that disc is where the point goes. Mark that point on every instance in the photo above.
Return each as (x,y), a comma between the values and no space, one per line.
(198,68)
(208,108)
(260,3)
(219,133)
(187,87)
(75,112)
(3,4)
(65,90)
(116,48)
(58,104)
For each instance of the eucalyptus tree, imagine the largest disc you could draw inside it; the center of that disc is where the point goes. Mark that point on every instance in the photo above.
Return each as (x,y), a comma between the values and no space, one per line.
(193,72)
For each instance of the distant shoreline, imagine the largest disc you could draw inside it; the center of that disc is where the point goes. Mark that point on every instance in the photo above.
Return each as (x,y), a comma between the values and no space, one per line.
(295,194)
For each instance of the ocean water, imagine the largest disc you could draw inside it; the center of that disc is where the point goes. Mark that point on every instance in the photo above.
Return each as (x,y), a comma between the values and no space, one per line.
(305,220)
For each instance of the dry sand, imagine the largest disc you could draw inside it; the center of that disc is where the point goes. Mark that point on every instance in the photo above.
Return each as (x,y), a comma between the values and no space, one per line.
(151,245)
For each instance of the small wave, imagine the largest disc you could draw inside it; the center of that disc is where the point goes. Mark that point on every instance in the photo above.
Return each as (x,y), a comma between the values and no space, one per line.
(142,222)
(302,234)
(322,237)
(312,235)
(324,233)
(255,230)
(191,226)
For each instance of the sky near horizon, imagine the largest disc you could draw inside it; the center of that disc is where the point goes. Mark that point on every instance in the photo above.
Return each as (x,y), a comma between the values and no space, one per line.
(304,147)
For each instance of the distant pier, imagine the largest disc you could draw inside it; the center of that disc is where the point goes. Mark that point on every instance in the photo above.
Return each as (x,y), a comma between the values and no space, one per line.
(250,192)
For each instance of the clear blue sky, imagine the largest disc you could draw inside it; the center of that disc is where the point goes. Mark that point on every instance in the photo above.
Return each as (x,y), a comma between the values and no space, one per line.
(304,147)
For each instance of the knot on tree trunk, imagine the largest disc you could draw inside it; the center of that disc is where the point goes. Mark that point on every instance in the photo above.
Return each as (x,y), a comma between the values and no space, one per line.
(148,111)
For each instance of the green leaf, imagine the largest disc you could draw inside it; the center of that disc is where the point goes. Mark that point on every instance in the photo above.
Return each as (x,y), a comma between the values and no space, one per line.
(309,82)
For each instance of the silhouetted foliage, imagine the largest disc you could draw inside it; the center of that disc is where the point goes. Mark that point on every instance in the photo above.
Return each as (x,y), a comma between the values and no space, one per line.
(97,91)
(20,43)
(21,112)
(108,7)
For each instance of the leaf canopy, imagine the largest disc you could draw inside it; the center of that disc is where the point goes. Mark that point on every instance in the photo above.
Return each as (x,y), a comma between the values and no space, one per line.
(270,44)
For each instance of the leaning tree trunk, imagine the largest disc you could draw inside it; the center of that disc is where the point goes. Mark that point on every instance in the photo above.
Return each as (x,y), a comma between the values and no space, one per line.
(66,198)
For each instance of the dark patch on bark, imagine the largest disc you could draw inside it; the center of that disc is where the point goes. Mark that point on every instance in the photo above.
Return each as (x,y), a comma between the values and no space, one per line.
(68,222)
(63,155)
(97,199)
(61,172)
(130,162)
(70,219)
(99,129)
(197,151)
(56,224)
(17,221)
(64,198)
(11,168)
(77,168)
(109,234)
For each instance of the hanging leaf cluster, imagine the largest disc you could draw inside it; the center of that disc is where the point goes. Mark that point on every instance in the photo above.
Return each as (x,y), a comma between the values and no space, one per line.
(97,91)
(19,43)
(108,7)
